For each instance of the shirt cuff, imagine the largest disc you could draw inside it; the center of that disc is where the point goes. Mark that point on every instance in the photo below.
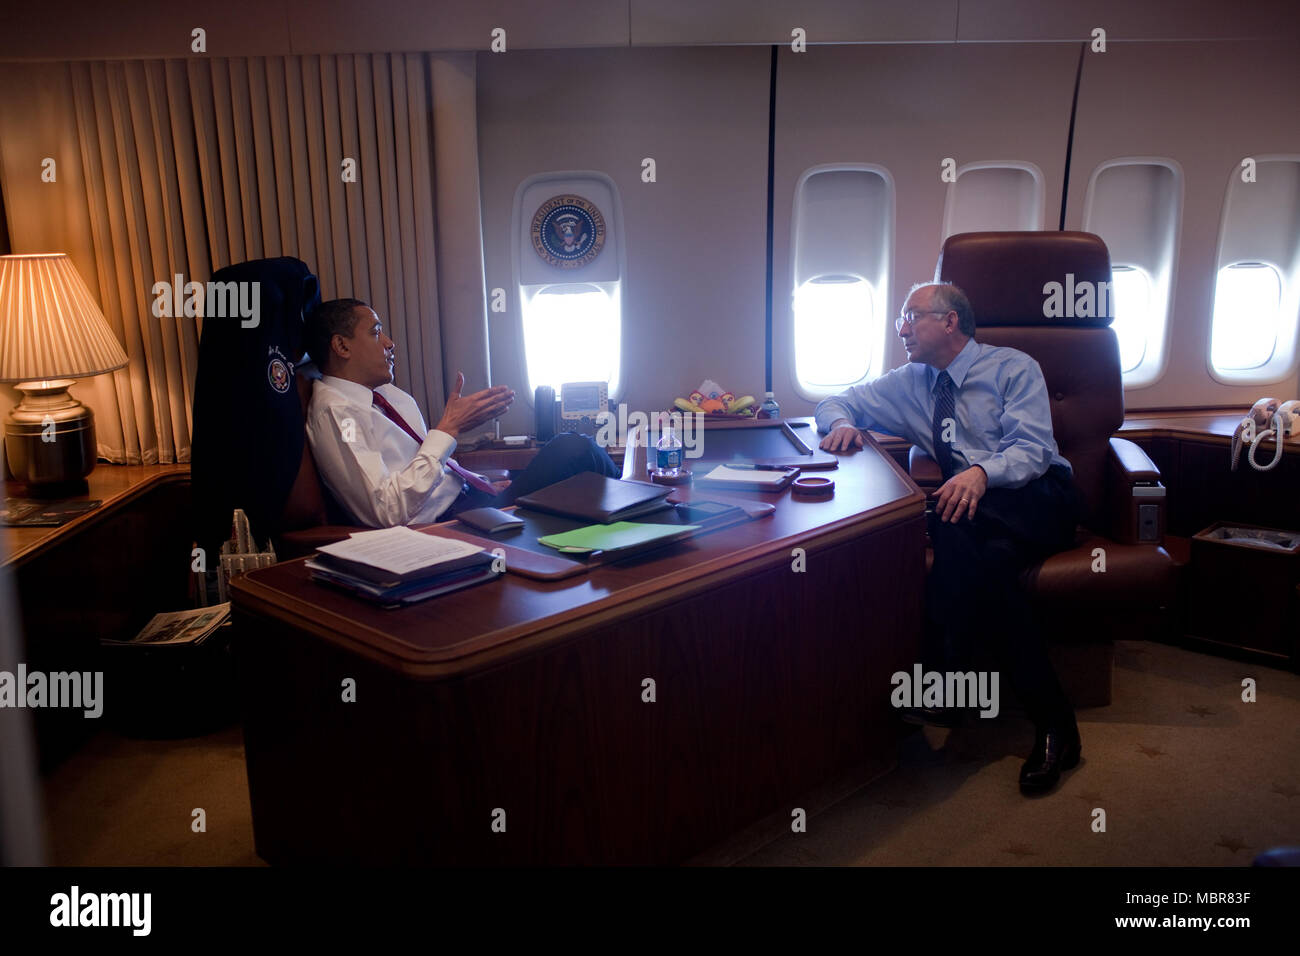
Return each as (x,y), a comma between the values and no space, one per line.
(995,468)
(438,444)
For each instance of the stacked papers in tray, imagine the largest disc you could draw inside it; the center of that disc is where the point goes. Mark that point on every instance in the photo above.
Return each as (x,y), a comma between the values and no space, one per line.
(395,566)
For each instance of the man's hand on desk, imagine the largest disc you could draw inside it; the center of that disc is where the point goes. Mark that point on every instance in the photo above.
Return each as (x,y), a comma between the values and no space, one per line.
(843,436)
(958,496)
(470,411)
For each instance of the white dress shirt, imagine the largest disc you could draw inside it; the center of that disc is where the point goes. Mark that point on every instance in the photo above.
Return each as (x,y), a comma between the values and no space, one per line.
(375,470)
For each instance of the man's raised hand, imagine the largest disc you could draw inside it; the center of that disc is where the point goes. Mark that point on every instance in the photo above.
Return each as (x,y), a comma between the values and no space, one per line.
(469,411)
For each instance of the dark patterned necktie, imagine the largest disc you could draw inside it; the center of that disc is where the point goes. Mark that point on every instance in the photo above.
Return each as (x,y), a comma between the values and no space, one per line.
(475,481)
(945,408)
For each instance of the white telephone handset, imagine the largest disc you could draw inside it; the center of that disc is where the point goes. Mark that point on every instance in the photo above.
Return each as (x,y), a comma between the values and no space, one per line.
(1268,418)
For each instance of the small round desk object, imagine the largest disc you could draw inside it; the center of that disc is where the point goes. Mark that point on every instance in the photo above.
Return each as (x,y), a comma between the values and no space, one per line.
(683,477)
(813,487)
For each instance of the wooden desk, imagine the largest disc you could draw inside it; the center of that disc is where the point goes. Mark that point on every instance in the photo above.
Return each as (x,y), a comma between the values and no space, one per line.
(527,697)
(1193,452)
(116,485)
(101,575)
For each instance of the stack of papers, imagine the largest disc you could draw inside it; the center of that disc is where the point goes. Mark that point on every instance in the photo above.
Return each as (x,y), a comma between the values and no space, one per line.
(395,566)
(749,476)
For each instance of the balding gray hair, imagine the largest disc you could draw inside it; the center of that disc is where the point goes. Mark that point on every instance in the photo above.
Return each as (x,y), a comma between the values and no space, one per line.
(951,298)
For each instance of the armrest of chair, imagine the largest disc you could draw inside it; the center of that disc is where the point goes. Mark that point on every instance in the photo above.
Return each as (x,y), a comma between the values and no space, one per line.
(924,470)
(1135,509)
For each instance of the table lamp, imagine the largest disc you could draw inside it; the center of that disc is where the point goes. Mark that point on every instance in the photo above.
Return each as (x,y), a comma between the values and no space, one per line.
(51,333)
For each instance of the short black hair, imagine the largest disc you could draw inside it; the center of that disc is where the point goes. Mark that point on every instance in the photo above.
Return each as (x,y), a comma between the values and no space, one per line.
(335,317)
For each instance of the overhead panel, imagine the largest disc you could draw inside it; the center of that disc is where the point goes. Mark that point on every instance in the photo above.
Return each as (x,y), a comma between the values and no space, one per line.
(679,22)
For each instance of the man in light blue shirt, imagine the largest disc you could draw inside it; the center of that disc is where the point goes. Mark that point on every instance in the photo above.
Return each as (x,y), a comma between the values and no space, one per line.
(1008,497)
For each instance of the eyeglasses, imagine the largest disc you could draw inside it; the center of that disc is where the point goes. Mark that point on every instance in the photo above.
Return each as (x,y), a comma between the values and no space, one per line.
(909,318)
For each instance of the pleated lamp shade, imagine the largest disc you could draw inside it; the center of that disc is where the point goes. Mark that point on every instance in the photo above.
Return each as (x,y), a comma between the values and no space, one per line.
(51,333)
(50,325)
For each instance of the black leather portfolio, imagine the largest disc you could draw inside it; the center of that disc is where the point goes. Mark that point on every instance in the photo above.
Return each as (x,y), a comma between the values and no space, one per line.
(594,497)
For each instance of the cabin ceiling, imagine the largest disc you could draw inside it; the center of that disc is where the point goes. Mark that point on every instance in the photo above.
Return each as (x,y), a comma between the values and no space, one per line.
(77,29)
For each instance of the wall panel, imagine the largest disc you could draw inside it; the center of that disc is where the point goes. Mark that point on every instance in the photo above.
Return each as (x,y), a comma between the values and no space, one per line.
(1206,105)
(1123,20)
(907,108)
(693,300)
(674,22)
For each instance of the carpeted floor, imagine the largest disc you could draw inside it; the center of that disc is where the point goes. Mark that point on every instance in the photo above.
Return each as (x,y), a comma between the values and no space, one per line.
(1186,772)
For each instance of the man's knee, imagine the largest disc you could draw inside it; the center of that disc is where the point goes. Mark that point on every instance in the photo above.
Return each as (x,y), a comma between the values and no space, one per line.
(581,452)
(952,539)
(569,444)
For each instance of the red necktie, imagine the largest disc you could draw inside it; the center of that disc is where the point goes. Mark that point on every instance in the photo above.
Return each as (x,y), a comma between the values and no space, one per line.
(477,482)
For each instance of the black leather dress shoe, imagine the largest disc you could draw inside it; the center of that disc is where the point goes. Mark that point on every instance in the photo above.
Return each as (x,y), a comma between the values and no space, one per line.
(1056,749)
(933,716)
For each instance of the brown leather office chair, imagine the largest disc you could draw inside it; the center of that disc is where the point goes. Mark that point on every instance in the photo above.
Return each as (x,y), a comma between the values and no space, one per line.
(1080,608)
(250,448)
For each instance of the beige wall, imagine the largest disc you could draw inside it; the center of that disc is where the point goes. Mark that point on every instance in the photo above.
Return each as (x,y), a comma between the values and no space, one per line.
(693,299)
(1206,105)
(907,108)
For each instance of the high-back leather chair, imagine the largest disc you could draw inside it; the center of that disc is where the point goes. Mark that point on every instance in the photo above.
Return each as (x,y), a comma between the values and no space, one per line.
(250,448)
(1080,607)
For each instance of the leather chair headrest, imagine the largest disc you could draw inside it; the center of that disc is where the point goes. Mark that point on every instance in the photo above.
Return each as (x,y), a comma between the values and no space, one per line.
(1006,276)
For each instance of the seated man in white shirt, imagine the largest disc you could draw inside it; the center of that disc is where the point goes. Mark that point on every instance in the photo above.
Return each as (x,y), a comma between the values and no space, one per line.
(372,448)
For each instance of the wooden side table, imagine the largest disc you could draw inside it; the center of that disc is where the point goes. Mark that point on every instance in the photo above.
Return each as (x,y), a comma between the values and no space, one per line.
(103,574)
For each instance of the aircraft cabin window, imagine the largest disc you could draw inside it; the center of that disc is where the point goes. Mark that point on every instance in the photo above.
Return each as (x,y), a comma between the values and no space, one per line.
(1136,204)
(1131,294)
(993,196)
(571,334)
(833,319)
(842,248)
(1247,316)
(569,268)
(1254,328)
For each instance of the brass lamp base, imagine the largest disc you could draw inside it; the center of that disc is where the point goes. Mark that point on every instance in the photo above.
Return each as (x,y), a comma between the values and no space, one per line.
(49,438)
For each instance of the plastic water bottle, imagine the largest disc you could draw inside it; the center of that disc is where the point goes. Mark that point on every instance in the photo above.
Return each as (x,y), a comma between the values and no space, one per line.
(668,453)
(769,408)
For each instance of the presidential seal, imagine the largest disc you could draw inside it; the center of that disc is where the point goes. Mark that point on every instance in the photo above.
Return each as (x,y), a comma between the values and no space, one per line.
(568,231)
(279,370)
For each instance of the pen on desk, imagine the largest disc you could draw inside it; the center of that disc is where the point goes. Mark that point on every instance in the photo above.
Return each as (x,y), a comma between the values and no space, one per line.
(749,467)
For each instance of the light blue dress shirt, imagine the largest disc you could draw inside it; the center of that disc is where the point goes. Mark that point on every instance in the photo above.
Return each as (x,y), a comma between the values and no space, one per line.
(1004,421)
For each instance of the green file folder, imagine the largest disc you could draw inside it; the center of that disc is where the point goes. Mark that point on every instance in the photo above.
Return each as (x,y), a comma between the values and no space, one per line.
(618,536)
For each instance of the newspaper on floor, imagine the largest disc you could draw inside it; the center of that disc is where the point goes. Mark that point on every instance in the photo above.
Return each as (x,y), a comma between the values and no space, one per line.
(179,627)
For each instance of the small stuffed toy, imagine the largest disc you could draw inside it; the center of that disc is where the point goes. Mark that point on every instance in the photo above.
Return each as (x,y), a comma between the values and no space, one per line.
(712,400)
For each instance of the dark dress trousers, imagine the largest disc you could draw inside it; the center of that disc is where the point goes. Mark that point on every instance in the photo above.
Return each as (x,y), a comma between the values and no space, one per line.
(978,613)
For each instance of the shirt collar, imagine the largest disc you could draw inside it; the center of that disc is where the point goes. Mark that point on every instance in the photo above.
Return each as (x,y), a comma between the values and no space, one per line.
(958,367)
(353,390)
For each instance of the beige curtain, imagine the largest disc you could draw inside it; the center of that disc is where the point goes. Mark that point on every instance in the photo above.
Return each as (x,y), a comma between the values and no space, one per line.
(185,166)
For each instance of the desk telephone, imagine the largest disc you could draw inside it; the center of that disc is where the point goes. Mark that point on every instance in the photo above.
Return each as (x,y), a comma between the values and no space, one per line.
(580,407)
(1268,418)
